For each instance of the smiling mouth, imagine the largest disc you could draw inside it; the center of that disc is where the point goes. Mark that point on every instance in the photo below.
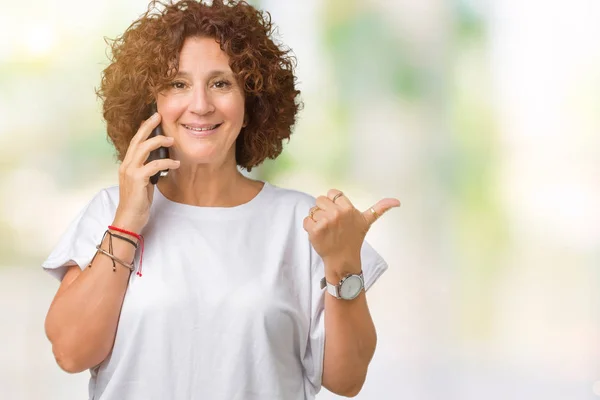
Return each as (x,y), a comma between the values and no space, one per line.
(208,128)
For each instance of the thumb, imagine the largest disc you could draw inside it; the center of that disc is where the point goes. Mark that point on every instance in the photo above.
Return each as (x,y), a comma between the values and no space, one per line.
(379,208)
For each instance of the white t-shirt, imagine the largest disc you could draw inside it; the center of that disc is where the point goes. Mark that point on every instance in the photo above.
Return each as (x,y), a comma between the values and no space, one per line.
(229,305)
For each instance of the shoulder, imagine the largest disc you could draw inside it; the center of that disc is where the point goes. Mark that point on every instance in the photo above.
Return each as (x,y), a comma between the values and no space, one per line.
(290,197)
(105,199)
(109,194)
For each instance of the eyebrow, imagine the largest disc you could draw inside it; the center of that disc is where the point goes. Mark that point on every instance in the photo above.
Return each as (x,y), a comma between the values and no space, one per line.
(211,74)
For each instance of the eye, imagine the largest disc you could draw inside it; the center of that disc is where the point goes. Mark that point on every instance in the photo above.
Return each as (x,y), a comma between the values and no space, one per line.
(222,84)
(178,85)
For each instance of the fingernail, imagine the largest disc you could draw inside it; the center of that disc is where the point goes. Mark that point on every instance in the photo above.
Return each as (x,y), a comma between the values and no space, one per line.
(154,116)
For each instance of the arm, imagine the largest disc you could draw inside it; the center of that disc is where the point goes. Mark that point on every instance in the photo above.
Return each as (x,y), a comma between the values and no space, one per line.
(349,342)
(82,320)
(337,232)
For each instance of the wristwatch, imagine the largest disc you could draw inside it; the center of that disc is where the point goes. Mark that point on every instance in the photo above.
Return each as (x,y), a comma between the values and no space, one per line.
(349,287)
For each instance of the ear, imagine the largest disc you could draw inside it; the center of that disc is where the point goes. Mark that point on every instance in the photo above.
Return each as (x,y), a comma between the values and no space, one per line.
(245,124)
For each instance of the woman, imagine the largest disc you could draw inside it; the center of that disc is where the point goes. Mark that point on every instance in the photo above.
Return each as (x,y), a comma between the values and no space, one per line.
(227,301)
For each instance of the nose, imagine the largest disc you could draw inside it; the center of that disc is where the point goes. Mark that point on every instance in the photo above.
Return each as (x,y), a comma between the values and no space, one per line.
(201,102)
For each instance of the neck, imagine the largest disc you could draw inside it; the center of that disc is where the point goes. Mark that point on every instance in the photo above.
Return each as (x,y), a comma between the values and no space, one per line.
(207,186)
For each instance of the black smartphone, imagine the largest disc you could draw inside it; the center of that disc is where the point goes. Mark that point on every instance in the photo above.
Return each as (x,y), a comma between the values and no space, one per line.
(157,154)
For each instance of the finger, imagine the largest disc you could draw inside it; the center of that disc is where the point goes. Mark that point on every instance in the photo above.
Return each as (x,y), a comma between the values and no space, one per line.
(142,152)
(159,165)
(142,134)
(308,224)
(313,225)
(146,128)
(339,198)
(381,207)
(313,212)
(325,203)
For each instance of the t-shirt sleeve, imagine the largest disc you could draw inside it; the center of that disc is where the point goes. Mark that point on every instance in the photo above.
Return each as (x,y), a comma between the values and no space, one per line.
(77,245)
(373,266)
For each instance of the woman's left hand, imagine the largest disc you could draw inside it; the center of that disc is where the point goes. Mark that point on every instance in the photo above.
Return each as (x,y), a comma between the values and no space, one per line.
(337,229)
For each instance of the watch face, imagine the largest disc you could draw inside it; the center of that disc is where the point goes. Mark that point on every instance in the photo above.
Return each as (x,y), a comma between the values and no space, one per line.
(351,287)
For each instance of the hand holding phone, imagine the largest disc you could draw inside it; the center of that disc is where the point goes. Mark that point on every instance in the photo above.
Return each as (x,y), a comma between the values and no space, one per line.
(158,154)
(138,177)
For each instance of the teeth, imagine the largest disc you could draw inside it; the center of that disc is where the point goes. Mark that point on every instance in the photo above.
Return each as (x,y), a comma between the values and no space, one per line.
(201,129)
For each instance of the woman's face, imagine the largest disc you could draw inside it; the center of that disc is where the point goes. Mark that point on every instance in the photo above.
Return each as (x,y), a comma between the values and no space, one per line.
(203,109)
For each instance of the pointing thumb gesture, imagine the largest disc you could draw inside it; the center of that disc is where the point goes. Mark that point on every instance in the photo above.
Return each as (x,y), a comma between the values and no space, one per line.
(337,229)
(373,213)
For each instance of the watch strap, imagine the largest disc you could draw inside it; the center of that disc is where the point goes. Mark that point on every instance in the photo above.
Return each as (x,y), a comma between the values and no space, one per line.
(333,290)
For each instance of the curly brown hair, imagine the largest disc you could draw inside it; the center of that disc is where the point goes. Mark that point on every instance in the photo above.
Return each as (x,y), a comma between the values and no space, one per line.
(145,59)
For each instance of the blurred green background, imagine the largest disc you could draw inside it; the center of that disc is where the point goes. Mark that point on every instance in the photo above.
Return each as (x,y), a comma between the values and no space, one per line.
(482,117)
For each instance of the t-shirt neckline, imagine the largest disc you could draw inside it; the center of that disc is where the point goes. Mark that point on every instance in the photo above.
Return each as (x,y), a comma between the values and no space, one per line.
(247,208)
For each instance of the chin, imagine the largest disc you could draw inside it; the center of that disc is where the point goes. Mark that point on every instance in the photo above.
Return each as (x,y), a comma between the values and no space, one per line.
(202,157)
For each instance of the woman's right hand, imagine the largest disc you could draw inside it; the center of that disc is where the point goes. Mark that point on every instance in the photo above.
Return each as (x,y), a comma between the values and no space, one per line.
(135,190)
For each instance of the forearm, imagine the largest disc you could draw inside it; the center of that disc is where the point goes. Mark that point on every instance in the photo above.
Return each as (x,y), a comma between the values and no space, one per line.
(350,342)
(82,321)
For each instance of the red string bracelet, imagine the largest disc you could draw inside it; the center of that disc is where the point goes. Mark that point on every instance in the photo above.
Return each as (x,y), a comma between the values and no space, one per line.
(138,237)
